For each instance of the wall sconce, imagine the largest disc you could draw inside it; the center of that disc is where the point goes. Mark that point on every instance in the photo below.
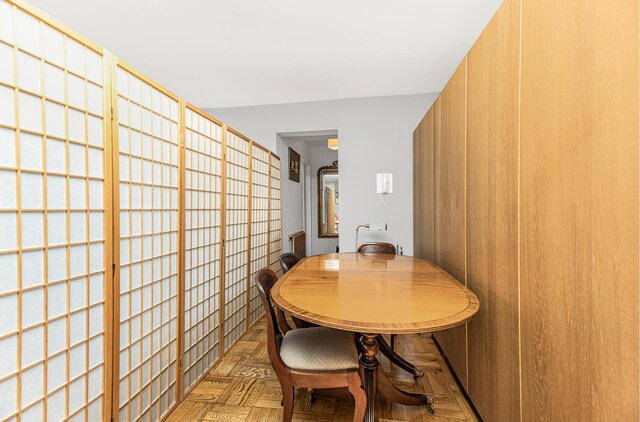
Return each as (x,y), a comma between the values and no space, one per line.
(332,144)
(384,184)
(374,225)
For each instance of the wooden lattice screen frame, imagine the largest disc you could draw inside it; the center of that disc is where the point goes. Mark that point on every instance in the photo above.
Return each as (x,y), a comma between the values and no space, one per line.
(137,354)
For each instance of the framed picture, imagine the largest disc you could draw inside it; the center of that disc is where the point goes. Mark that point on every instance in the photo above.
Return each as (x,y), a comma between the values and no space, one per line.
(294,166)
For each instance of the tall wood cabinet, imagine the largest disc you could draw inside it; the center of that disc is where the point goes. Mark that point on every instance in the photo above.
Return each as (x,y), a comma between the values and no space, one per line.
(526,190)
(492,215)
(450,203)
(579,210)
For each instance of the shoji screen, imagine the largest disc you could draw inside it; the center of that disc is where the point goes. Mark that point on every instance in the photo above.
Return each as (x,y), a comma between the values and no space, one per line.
(259,223)
(236,237)
(275,214)
(148,174)
(203,152)
(52,222)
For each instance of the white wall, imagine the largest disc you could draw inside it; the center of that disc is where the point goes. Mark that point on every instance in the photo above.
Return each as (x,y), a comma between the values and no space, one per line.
(376,136)
(292,199)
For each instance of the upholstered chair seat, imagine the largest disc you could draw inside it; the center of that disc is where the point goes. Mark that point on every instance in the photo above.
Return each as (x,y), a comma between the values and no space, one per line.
(319,349)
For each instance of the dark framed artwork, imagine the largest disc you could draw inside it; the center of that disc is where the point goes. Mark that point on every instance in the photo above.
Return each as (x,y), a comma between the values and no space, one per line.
(294,166)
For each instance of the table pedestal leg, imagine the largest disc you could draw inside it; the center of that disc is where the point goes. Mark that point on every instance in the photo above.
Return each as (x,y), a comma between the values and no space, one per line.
(375,381)
(370,365)
(398,360)
(393,393)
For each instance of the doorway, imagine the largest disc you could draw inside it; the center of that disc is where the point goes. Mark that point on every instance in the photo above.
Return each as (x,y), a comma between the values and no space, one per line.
(305,206)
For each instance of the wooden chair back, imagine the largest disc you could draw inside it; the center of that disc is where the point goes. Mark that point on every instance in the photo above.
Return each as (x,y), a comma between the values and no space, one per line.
(264,280)
(377,247)
(287,261)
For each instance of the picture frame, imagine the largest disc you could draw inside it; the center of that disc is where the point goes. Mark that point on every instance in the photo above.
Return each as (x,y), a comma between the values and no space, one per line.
(294,166)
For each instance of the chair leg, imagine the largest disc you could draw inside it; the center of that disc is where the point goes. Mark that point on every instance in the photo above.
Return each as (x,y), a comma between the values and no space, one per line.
(287,403)
(356,390)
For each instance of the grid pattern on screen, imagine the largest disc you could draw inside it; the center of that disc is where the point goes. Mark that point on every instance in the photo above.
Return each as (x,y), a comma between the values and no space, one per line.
(236,242)
(52,247)
(275,225)
(259,224)
(148,171)
(203,151)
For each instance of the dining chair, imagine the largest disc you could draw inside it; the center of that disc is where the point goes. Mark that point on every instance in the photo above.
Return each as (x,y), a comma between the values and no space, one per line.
(386,348)
(287,261)
(377,247)
(316,357)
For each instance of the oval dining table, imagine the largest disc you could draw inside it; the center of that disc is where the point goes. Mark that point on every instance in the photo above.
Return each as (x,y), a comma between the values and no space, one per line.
(372,294)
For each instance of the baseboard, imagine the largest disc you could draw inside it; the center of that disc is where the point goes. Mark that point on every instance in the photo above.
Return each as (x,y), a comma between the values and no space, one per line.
(455,377)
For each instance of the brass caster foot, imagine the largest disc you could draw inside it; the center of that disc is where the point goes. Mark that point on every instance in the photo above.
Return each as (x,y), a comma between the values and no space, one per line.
(430,404)
(430,408)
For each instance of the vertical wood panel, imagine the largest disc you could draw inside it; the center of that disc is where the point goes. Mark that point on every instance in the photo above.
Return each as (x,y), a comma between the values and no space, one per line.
(450,204)
(424,187)
(418,167)
(437,164)
(492,215)
(428,186)
(579,210)
(450,198)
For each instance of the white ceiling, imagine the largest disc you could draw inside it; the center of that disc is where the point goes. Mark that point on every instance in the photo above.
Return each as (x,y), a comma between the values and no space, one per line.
(226,53)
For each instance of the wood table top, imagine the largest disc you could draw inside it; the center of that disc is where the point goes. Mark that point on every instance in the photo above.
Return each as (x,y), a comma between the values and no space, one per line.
(374,293)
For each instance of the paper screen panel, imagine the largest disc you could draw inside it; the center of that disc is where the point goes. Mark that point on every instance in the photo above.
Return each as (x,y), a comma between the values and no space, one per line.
(259,224)
(236,242)
(203,152)
(148,173)
(52,219)
(275,223)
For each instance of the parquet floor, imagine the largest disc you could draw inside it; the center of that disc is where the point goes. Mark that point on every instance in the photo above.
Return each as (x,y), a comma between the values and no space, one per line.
(243,387)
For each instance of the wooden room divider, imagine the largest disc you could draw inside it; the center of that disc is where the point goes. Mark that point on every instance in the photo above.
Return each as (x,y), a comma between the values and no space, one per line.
(203,223)
(259,224)
(236,240)
(131,222)
(147,170)
(275,216)
(55,220)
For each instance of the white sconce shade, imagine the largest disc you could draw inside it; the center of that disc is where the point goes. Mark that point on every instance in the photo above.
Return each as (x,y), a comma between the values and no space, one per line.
(384,183)
(378,226)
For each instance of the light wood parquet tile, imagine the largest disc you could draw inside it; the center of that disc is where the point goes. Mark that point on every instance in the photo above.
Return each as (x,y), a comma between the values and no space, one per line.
(243,387)
(261,414)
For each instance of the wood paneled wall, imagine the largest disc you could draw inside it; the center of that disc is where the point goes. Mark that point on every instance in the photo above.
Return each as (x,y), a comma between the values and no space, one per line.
(536,210)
